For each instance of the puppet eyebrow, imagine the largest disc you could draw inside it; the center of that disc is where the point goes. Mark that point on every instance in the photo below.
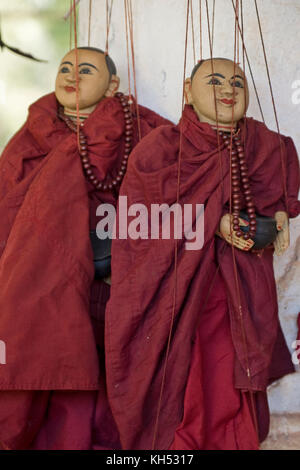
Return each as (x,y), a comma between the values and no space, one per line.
(90,65)
(215,75)
(70,63)
(83,63)
(237,76)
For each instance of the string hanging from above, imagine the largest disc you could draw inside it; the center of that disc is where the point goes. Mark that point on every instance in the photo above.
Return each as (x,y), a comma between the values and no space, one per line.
(193,31)
(174,298)
(130,40)
(89,27)
(283,166)
(200,30)
(249,64)
(109,7)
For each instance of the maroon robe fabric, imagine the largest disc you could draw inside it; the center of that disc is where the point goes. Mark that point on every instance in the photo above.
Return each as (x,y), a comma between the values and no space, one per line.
(217,416)
(139,311)
(47,208)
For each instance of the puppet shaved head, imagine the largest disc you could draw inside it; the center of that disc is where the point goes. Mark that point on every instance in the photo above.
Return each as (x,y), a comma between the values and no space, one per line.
(218,91)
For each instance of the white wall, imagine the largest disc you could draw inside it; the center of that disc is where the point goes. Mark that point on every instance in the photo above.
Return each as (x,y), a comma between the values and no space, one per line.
(159,33)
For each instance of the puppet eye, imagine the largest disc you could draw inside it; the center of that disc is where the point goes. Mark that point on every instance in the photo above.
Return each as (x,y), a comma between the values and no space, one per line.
(64,70)
(237,84)
(214,81)
(86,71)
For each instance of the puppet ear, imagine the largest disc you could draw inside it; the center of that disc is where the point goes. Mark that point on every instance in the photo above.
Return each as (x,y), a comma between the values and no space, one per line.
(188,91)
(113,86)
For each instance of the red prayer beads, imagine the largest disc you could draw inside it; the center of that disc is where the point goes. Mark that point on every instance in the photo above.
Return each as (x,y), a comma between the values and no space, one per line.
(238,184)
(83,150)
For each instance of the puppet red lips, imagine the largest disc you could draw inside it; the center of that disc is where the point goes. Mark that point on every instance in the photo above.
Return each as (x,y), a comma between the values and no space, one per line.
(225,101)
(69,89)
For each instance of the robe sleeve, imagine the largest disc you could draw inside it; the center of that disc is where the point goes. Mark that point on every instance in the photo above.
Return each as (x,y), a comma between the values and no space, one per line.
(18,159)
(293,178)
(292,204)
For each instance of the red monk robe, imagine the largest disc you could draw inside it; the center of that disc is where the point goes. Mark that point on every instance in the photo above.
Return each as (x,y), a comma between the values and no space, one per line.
(52,313)
(204,401)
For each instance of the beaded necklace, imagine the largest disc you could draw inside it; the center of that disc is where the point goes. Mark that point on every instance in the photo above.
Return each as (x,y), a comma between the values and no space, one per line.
(104,185)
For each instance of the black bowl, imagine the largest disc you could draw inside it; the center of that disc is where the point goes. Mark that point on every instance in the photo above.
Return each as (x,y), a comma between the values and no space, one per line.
(102,255)
(266,230)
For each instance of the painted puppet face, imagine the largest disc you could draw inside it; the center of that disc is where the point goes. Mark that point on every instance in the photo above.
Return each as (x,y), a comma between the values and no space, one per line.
(231,91)
(94,80)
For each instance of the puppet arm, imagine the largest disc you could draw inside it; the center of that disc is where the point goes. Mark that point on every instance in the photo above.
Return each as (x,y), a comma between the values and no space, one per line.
(282,241)
(229,235)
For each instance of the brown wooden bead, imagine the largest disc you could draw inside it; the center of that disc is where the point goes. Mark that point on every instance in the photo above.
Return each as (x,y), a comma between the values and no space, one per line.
(86,165)
(246,236)
(83,153)
(250,210)
(239,233)
(88,171)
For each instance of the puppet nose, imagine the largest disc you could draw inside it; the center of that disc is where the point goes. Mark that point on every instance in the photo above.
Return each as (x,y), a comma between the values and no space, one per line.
(71,77)
(227,89)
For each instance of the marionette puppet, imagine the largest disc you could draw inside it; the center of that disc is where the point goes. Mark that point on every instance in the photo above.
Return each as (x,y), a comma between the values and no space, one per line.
(53,175)
(189,355)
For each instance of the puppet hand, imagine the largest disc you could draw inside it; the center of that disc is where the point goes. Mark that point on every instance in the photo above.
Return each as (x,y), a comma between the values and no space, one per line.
(282,241)
(231,238)
(107,280)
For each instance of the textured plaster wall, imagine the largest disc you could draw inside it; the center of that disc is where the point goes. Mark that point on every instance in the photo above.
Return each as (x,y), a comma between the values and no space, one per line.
(159,33)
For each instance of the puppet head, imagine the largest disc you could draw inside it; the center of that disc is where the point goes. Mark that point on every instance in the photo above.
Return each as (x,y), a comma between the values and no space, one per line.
(97,79)
(218,92)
